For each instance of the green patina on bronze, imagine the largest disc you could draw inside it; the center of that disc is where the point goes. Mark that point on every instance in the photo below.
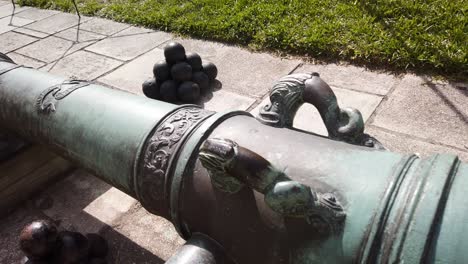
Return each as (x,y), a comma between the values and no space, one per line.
(322,201)
(226,162)
(292,91)
(218,165)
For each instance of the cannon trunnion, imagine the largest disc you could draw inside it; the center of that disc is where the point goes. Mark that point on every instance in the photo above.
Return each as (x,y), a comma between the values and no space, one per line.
(245,191)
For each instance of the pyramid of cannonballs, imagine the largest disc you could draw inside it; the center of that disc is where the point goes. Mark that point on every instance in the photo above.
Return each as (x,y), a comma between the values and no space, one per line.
(182,77)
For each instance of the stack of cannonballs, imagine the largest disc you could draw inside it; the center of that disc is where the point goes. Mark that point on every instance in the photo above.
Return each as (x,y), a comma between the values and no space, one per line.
(43,244)
(182,77)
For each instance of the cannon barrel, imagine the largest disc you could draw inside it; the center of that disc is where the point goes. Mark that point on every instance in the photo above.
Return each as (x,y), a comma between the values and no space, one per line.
(248,192)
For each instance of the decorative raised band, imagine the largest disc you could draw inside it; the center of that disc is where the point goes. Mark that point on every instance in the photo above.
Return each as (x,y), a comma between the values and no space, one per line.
(158,154)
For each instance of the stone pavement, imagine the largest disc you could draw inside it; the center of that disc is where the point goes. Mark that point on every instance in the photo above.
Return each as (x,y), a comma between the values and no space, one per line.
(407,113)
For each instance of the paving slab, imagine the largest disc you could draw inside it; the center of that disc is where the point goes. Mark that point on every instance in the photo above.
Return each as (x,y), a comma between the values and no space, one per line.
(83,203)
(435,112)
(10,41)
(84,65)
(221,100)
(83,36)
(208,50)
(150,232)
(110,206)
(51,49)
(103,26)
(30,32)
(56,23)
(23,60)
(239,70)
(153,233)
(308,118)
(353,77)
(17,22)
(130,43)
(4,3)
(78,201)
(130,76)
(405,144)
(6,9)
(37,14)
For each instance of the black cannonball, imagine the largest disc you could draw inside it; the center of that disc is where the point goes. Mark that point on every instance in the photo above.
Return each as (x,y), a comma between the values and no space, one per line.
(97,261)
(73,248)
(26,260)
(181,72)
(174,52)
(194,60)
(202,80)
(168,91)
(210,70)
(161,71)
(151,88)
(38,239)
(188,92)
(98,247)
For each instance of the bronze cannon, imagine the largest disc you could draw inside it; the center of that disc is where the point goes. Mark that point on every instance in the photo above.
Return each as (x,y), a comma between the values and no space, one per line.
(243,191)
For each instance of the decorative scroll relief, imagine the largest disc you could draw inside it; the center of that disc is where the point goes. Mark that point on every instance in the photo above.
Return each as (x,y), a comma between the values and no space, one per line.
(47,101)
(159,151)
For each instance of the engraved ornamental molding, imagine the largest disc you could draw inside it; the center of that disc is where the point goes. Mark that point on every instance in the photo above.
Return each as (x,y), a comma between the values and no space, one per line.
(159,151)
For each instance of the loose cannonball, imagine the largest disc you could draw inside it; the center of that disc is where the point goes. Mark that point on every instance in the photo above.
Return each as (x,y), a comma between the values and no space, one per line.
(210,70)
(168,91)
(202,80)
(181,72)
(174,52)
(98,247)
(151,88)
(38,239)
(26,260)
(73,247)
(188,92)
(194,60)
(161,71)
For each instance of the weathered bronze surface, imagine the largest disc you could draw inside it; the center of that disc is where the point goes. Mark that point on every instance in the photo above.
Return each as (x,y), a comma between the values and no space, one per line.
(9,145)
(200,249)
(25,168)
(301,199)
(226,160)
(159,153)
(290,92)
(47,101)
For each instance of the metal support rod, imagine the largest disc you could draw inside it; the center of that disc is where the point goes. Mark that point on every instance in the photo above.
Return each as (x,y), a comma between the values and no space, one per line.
(200,249)
(12,12)
(79,19)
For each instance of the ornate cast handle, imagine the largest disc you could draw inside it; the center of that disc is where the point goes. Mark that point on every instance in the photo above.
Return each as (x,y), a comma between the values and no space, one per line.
(290,92)
(231,167)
